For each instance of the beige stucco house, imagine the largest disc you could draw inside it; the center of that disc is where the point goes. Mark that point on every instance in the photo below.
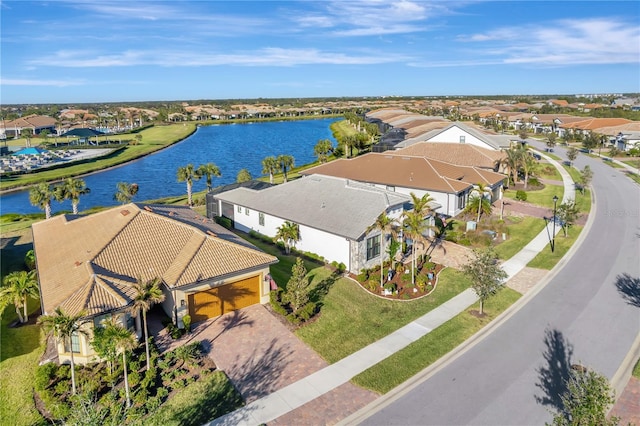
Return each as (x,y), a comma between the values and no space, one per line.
(89,263)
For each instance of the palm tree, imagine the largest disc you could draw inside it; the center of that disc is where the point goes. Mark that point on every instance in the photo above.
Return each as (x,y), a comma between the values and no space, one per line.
(286,162)
(16,287)
(414,226)
(41,196)
(421,204)
(71,189)
(386,226)
(126,192)
(125,341)
(188,174)
(64,327)
(30,259)
(322,150)
(481,188)
(27,133)
(512,162)
(147,294)
(269,166)
(289,233)
(208,170)
(529,165)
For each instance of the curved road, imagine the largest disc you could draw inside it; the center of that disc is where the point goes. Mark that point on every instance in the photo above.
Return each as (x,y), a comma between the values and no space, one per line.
(588,313)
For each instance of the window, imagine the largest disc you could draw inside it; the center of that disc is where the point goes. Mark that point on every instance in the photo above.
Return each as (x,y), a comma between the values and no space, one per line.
(391,188)
(239,209)
(462,200)
(246,211)
(373,247)
(462,138)
(75,343)
(261,219)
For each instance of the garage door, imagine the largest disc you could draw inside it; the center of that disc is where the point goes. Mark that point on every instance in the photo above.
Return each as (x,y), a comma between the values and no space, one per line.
(221,300)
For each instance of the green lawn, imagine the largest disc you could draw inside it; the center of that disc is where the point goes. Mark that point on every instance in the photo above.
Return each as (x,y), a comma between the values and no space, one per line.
(636,370)
(402,365)
(546,259)
(153,139)
(541,197)
(351,318)
(548,171)
(519,235)
(20,350)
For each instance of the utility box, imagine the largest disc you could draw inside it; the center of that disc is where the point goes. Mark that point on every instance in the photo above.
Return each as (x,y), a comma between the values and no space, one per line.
(471,225)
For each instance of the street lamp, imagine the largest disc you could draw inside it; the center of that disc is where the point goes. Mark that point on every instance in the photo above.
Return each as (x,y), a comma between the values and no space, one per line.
(553,235)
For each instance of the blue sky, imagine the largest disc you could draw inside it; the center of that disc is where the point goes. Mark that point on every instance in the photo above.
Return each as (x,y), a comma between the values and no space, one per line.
(111,51)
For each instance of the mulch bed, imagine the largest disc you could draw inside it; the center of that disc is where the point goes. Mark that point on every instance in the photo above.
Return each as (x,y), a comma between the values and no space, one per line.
(405,290)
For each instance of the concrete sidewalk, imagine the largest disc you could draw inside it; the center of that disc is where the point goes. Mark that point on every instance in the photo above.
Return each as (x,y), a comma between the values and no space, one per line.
(305,390)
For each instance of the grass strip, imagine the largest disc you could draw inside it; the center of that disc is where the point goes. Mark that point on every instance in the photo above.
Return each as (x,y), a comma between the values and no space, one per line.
(540,197)
(520,234)
(546,259)
(20,350)
(406,363)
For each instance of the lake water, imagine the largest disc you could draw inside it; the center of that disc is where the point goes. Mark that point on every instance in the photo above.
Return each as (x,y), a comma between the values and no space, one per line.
(230,146)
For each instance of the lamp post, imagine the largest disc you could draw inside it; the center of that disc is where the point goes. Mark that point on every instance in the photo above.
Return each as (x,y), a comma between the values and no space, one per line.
(553,235)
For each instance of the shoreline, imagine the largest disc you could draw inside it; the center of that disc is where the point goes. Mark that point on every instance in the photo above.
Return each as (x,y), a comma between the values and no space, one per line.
(197,125)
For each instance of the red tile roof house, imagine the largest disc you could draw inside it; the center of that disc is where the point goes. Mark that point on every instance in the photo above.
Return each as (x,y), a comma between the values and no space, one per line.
(89,264)
(37,123)
(450,185)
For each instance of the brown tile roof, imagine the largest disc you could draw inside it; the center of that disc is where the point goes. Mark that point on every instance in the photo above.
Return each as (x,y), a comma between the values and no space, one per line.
(406,171)
(454,153)
(634,126)
(90,262)
(35,121)
(596,123)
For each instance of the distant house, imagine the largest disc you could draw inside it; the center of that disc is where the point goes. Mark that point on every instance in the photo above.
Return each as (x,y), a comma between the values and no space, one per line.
(37,123)
(455,153)
(450,185)
(458,132)
(90,263)
(332,214)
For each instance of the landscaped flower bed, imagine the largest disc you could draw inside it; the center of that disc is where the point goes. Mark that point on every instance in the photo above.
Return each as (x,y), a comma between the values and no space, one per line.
(399,287)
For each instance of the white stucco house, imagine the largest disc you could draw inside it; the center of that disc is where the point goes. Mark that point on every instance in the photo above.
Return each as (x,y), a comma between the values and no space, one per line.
(332,214)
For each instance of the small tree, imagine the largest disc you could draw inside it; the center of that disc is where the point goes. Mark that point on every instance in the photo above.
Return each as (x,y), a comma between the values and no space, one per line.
(125,192)
(586,174)
(567,213)
(270,166)
(64,327)
(208,171)
(41,196)
(104,344)
(16,288)
(188,174)
(586,400)
(386,226)
(286,162)
(125,341)
(297,293)
(243,176)
(30,260)
(572,154)
(146,294)
(551,140)
(289,233)
(522,133)
(486,276)
(322,150)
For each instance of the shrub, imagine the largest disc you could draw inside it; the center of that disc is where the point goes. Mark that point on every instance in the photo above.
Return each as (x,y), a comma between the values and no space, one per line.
(521,195)
(372,285)
(363,276)
(134,378)
(391,286)
(149,380)
(153,404)
(534,181)
(275,297)
(178,384)
(342,267)
(162,393)
(44,375)
(56,406)
(307,311)
(224,221)
(186,320)
(140,397)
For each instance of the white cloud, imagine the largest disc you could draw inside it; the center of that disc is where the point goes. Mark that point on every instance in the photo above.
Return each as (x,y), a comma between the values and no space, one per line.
(274,57)
(562,43)
(31,82)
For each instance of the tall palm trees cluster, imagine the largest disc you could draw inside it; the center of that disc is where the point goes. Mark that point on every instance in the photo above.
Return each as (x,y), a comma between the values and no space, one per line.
(413,224)
(111,338)
(43,194)
(272,165)
(189,173)
(289,234)
(519,159)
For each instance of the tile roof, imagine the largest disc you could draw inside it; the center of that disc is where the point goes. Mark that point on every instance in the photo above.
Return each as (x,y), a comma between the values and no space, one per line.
(407,172)
(455,153)
(35,121)
(90,262)
(597,123)
(331,204)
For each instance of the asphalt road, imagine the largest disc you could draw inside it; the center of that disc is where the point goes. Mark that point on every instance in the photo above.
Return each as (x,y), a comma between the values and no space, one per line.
(588,314)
